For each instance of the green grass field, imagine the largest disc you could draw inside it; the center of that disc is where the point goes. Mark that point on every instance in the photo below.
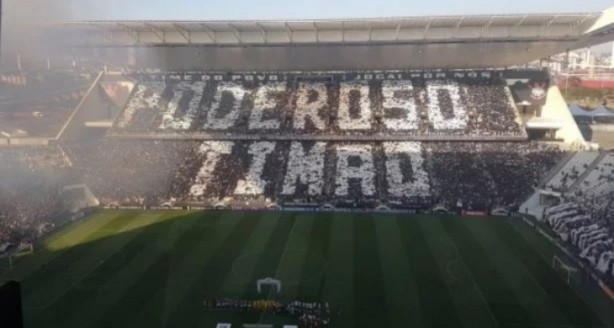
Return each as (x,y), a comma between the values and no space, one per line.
(154,269)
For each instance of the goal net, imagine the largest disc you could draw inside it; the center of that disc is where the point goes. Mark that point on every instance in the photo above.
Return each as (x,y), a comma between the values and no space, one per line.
(22,250)
(567,271)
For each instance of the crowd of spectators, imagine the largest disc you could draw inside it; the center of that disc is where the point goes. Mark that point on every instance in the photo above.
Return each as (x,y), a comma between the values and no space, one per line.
(141,173)
(599,180)
(589,236)
(585,218)
(18,86)
(135,172)
(132,172)
(587,179)
(31,181)
(38,104)
(489,174)
(39,116)
(572,170)
(455,108)
(341,173)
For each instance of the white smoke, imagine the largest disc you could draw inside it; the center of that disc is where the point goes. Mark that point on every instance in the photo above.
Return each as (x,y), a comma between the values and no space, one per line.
(24,20)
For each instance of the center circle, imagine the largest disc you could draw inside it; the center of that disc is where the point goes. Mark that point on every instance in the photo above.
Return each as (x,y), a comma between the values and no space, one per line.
(313,266)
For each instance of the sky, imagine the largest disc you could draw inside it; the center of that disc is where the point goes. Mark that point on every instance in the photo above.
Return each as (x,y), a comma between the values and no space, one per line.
(297,9)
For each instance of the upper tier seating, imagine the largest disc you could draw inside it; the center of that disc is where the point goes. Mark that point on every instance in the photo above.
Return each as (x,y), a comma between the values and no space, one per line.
(452,107)
(600,180)
(572,170)
(37,104)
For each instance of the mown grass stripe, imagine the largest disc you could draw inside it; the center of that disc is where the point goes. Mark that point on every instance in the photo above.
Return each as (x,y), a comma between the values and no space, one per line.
(589,291)
(535,299)
(339,280)
(169,262)
(74,231)
(471,306)
(274,249)
(154,277)
(239,277)
(371,308)
(557,290)
(129,245)
(46,250)
(270,260)
(214,273)
(188,228)
(41,287)
(404,305)
(125,269)
(134,296)
(196,254)
(438,310)
(501,297)
(312,288)
(297,259)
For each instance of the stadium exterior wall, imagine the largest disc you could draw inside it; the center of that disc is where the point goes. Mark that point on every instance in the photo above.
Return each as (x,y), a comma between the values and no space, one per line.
(323,56)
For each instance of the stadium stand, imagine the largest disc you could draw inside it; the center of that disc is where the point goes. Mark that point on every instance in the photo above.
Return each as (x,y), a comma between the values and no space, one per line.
(448,107)
(588,236)
(404,143)
(599,179)
(152,169)
(342,173)
(37,104)
(572,170)
(31,179)
(585,217)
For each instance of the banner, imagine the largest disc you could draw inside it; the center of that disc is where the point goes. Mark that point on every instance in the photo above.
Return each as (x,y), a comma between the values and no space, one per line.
(533,91)
(325,76)
(475,213)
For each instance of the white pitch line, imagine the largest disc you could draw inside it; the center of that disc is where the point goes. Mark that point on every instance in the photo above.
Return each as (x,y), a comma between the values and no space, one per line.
(283,255)
(474,283)
(571,286)
(456,279)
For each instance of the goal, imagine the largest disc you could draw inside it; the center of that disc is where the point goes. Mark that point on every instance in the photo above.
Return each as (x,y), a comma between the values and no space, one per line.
(567,271)
(22,250)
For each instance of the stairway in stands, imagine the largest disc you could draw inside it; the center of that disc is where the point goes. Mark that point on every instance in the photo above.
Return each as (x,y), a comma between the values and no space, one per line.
(577,162)
(586,173)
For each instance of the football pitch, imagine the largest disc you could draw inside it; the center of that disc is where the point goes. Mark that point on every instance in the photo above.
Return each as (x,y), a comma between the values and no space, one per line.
(155,269)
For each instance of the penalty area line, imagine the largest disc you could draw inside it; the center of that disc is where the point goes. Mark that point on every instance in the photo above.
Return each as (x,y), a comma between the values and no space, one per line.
(474,282)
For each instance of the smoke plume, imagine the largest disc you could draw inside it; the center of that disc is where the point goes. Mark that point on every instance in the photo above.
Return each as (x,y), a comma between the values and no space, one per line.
(23,22)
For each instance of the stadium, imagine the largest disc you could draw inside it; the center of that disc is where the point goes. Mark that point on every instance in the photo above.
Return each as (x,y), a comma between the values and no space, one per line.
(391,172)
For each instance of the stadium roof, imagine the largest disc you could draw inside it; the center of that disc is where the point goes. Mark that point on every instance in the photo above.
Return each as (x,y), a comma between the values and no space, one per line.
(565,27)
(431,42)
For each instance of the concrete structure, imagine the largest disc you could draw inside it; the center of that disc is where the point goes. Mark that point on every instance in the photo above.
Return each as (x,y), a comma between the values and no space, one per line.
(555,110)
(384,43)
